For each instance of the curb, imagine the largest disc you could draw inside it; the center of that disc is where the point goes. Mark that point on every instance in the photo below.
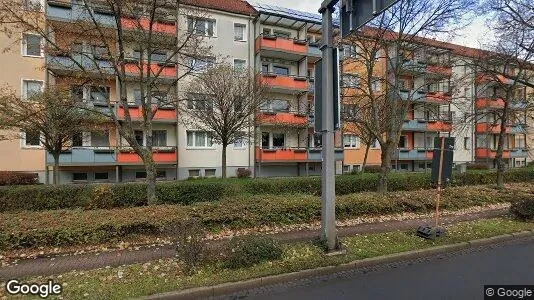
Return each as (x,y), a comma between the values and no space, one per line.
(232,287)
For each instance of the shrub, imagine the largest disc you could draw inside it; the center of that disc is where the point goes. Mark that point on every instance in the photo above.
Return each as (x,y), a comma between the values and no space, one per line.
(243,173)
(190,244)
(477,166)
(18,178)
(247,251)
(372,169)
(523,209)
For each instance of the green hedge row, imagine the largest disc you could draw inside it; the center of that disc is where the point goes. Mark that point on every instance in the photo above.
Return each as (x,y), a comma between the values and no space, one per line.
(76,227)
(104,196)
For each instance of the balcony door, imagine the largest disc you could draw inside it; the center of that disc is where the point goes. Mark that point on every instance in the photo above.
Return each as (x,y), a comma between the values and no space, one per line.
(272,140)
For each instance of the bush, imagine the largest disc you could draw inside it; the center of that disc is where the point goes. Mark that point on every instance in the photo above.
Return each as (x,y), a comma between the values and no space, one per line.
(523,209)
(243,173)
(477,166)
(190,244)
(247,251)
(372,169)
(18,178)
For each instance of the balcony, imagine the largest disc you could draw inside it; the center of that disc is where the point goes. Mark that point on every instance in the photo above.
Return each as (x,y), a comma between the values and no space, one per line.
(136,112)
(161,155)
(416,67)
(144,23)
(316,154)
(283,118)
(489,103)
(518,129)
(285,83)
(414,154)
(493,79)
(439,70)
(66,12)
(438,97)
(66,65)
(496,128)
(281,155)
(519,153)
(84,156)
(281,47)
(427,125)
(429,97)
(314,53)
(490,153)
(168,71)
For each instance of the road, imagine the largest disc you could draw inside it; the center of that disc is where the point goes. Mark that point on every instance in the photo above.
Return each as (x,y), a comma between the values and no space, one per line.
(459,275)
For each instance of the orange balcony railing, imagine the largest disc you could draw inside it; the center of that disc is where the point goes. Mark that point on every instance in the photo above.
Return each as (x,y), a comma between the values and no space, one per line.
(439,70)
(144,23)
(486,78)
(281,155)
(137,113)
(490,128)
(496,103)
(282,118)
(155,68)
(490,153)
(162,155)
(439,126)
(438,97)
(285,82)
(267,42)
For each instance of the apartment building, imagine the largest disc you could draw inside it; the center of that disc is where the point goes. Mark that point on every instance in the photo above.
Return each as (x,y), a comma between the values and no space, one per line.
(180,152)
(467,112)
(287,48)
(22,63)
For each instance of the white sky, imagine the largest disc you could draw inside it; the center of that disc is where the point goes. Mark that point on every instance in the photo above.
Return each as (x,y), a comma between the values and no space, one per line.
(475,35)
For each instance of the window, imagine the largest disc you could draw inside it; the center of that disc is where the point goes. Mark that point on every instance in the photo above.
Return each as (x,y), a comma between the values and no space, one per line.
(350,51)
(77,140)
(280,33)
(375,144)
(99,94)
(158,56)
(351,80)
(351,141)
(265,140)
(194,173)
(201,65)
(376,85)
(404,167)
(99,52)
(137,97)
(278,139)
(159,98)
(100,139)
(79,176)
(315,140)
(34,5)
(137,55)
(275,106)
(161,174)
(467,143)
(378,54)
(265,68)
(201,26)
(140,175)
(199,102)
(31,45)
(267,31)
(76,92)
(240,64)
(240,32)
(31,87)
(280,70)
(159,138)
(403,142)
(199,139)
(240,140)
(32,139)
(139,137)
(209,173)
(101,176)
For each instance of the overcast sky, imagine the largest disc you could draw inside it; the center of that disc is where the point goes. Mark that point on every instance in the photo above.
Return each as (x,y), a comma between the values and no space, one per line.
(472,36)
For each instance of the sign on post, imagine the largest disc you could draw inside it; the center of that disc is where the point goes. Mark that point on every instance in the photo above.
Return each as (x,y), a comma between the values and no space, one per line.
(446,165)
(318,93)
(356,13)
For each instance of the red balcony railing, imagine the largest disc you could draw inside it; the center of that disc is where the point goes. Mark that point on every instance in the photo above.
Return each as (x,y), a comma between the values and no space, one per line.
(439,126)
(285,82)
(281,44)
(490,153)
(168,71)
(281,155)
(163,155)
(496,103)
(485,78)
(439,70)
(490,128)
(137,113)
(144,23)
(282,118)
(438,97)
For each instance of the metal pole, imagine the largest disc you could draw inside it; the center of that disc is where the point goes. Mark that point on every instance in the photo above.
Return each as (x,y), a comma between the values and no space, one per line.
(440,172)
(328,195)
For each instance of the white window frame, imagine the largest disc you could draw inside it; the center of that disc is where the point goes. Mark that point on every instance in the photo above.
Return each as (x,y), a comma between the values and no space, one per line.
(375,144)
(206,26)
(243,139)
(23,142)
(24,43)
(244,67)
(192,66)
(23,91)
(195,147)
(354,141)
(245,31)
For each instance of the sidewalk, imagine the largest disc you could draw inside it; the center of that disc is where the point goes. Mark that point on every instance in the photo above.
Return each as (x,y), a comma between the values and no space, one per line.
(63,264)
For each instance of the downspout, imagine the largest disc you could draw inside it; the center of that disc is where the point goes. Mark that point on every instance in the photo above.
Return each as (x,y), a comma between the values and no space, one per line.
(177,98)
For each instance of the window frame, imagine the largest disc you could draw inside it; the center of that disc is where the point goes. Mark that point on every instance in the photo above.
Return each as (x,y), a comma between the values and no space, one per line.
(244,26)
(354,141)
(193,29)
(24,144)
(24,45)
(194,146)
(24,89)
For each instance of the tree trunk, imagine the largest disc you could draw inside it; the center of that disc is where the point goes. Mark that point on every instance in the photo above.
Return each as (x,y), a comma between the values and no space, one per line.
(150,168)
(367,147)
(385,168)
(224,145)
(499,158)
(55,172)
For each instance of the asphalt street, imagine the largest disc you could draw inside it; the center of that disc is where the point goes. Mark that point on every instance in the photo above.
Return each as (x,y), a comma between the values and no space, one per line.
(459,275)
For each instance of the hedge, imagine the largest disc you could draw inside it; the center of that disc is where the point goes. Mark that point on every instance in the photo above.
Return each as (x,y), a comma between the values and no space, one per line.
(105,196)
(76,227)
(18,178)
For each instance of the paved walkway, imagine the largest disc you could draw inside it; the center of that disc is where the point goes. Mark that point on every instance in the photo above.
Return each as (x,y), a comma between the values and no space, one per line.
(62,264)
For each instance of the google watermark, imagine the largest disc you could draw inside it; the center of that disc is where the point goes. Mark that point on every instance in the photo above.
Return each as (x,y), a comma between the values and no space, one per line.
(509,292)
(43,290)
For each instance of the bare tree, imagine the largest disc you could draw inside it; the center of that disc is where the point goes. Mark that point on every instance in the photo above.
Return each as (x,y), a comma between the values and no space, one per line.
(223,102)
(389,49)
(144,48)
(52,116)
